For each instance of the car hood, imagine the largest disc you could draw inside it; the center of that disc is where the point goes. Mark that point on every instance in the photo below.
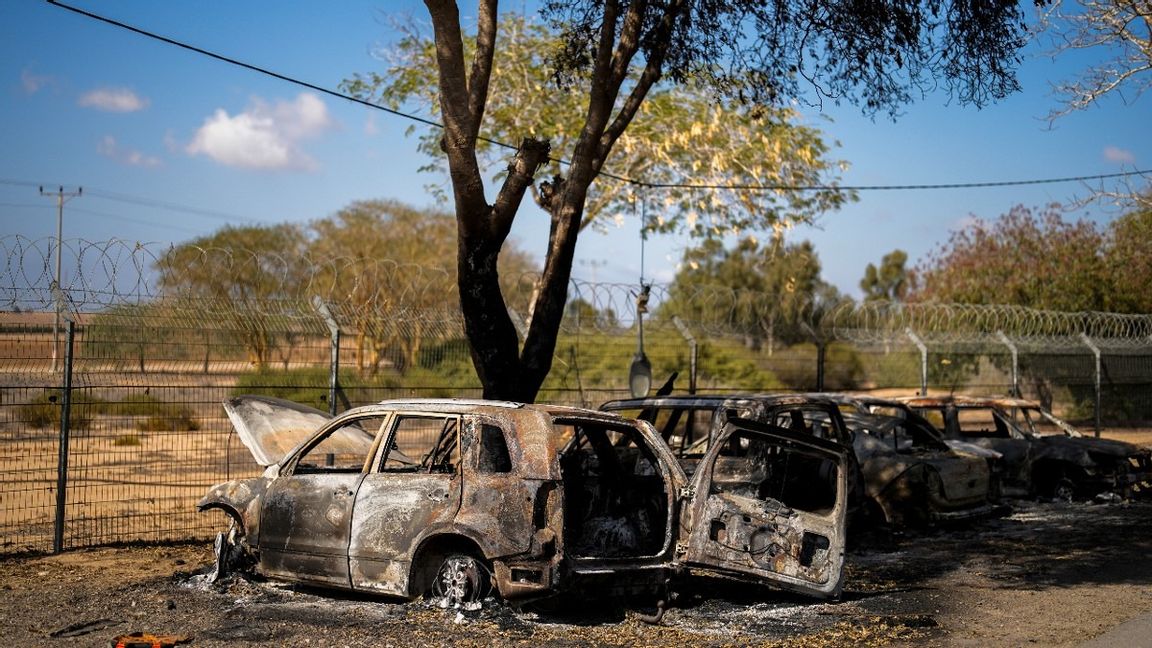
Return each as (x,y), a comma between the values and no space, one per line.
(271,427)
(1107,447)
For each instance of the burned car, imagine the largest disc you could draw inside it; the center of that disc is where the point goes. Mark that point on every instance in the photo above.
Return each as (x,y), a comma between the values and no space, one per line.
(914,478)
(868,404)
(902,474)
(1043,456)
(459,498)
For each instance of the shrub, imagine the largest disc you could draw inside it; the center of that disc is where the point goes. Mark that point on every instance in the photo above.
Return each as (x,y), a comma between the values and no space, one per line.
(127,440)
(44,412)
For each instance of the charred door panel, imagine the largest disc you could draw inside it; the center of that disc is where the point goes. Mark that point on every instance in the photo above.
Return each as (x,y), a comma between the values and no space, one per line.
(413,490)
(393,512)
(305,524)
(771,504)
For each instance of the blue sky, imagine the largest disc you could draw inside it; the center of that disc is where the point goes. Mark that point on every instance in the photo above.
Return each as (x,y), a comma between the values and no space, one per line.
(170,145)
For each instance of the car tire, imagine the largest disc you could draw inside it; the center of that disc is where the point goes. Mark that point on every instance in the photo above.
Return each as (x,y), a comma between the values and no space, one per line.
(461,581)
(230,554)
(1063,490)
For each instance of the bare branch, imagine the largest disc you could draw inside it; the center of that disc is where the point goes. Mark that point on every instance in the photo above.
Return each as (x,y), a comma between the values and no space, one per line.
(1123,28)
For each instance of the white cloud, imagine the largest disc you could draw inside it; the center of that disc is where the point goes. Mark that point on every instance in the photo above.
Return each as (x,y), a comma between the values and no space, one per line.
(263,136)
(33,83)
(1117,154)
(114,100)
(110,148)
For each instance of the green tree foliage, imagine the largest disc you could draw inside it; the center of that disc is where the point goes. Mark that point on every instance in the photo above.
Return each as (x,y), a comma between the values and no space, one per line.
(394,266)
(773,287)
(680,134)
(366,246)
(1129,262)
(240,271)
(1024,258)
(581,314)
(613,55)
(889,282)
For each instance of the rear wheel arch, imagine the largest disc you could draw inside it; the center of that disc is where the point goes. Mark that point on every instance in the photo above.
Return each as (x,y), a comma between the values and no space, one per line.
(1054,478)
(431,555)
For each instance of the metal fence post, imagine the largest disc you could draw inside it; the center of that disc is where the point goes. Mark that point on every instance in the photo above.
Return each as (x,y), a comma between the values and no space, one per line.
(821,352)
(1096,352)
(1015,362)
(334,364)
(65,432)
(923,359)
(692,352)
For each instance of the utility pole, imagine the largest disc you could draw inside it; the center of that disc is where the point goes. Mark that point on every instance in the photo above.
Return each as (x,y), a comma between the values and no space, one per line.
(61,198)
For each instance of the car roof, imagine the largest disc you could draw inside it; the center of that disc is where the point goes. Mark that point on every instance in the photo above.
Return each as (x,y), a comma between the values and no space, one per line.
(478,405)
(712,400)
(967,401)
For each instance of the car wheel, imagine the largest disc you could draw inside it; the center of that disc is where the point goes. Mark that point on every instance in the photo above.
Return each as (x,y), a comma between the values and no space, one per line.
(230,554)
(462,581)
(1063,490)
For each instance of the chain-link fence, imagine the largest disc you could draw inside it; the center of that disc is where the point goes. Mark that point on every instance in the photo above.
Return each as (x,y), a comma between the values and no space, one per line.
(110,386)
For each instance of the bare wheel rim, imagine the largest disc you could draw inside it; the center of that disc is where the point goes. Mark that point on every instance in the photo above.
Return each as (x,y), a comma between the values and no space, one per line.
(1063,490)
(462,581)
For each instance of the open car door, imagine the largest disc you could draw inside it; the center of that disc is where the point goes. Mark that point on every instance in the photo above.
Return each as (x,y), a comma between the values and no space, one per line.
(768,505)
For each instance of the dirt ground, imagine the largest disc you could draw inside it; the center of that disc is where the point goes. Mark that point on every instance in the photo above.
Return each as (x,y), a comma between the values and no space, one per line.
(1048,574)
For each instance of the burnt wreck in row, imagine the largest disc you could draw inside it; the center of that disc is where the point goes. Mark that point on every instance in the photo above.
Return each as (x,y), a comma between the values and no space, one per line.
(1043,456)
(460,499)
(899,474)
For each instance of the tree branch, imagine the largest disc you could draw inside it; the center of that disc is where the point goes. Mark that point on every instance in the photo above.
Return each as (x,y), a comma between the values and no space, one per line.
(460,125)
(478,81)
(521,170)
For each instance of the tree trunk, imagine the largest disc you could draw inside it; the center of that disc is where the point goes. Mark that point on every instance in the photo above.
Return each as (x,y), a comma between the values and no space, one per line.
(491,334)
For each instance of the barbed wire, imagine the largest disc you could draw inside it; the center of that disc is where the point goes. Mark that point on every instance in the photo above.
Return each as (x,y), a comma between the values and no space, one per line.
(373,294)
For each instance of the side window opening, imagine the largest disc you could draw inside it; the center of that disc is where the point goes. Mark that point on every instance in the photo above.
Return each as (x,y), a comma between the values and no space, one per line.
(980,423)
(427,444)
(756,467)
(494,457)
(344,449)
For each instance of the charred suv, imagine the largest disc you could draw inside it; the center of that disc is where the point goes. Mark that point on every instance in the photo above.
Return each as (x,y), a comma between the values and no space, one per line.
(461,498)
(1042,455)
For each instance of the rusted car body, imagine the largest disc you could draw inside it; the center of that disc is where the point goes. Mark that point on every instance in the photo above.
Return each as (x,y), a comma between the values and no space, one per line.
(1042,455)
(867,404)
(455,497)
(918,480)
(914,477)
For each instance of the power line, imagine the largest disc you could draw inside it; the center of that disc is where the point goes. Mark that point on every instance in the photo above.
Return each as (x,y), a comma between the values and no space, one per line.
(633,181)
(249,66)
(135,221)
(137,200)
(908,187)
(148,202)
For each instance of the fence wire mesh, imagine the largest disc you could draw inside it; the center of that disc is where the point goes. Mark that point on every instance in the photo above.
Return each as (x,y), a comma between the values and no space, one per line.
(151,361)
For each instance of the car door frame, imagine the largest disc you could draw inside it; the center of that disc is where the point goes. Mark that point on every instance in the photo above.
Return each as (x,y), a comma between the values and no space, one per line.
(313,550)
(394,511)
(701,548)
